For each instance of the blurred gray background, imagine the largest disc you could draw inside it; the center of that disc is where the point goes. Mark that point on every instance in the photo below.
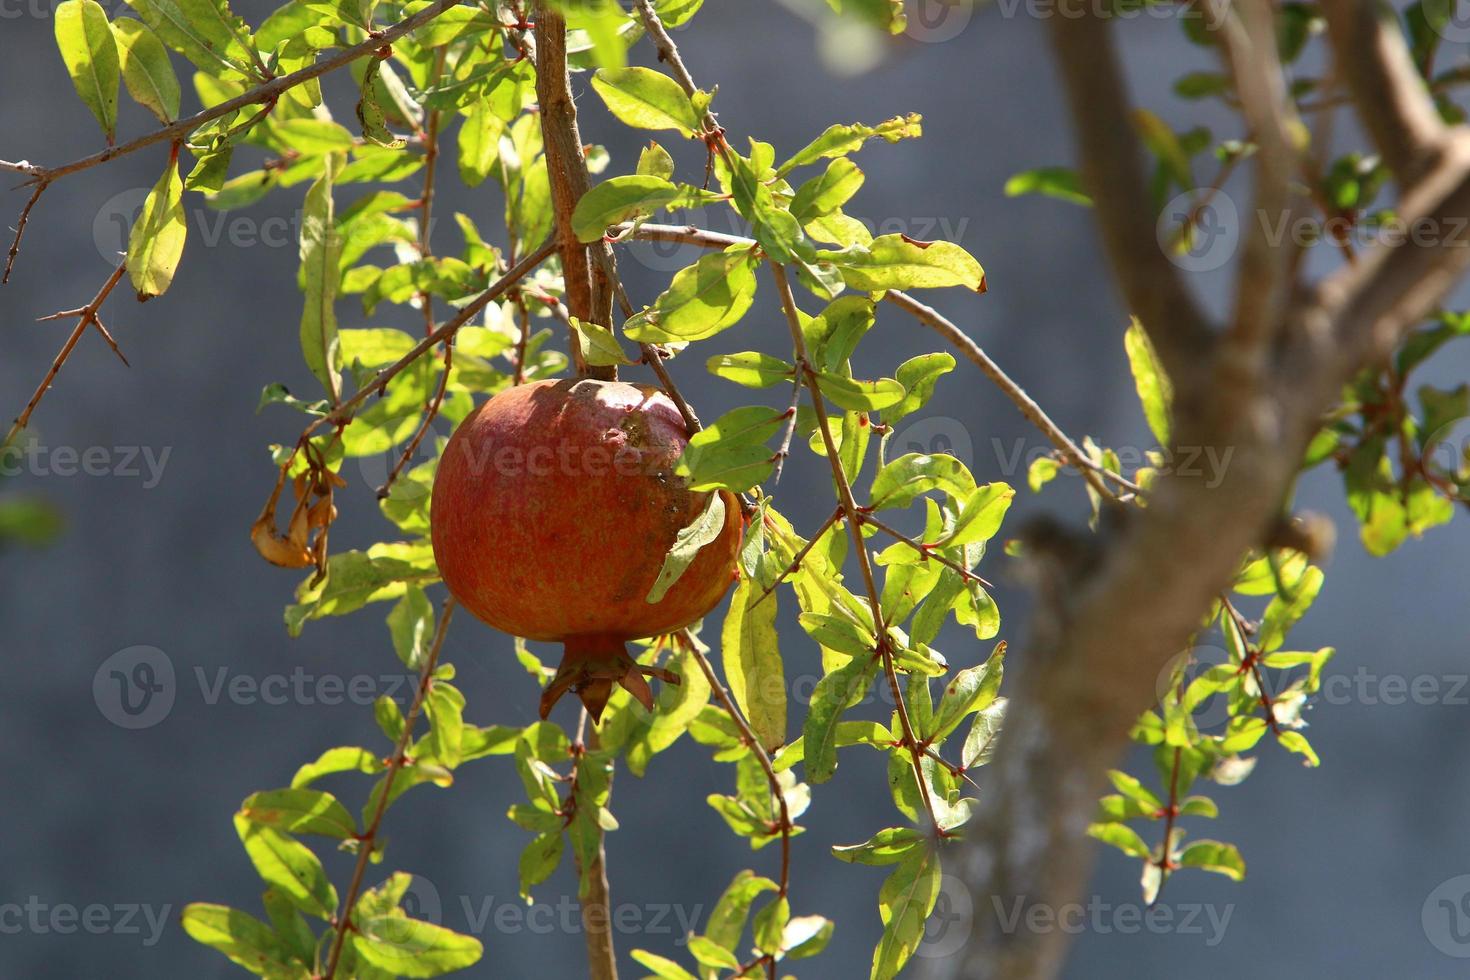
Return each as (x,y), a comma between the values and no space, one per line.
(1343,860)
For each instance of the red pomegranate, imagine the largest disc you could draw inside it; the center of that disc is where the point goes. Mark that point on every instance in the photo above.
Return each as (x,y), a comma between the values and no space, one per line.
(554,506)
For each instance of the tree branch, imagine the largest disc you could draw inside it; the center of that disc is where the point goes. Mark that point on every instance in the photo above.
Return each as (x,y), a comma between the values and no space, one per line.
(567,165)
(1389,95)
(87,316)
(1263,286)
(1113,174)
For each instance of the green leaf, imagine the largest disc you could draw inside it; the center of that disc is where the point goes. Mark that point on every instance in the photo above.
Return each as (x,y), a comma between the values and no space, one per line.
(1164,143)
(980,516)
(826,193)
(342,759)
(91,57)
(1281,615)
(289,866)
(599,346)
(860,396)
(655,161)
(806,935)
(663,969)
(411,624)
(646,99)
(769,927)
(445,706)
(687,543)
(839,633)
(156,242)
(903,479)
(711,955)
(727,920)
(834,694)
(753,666)
(1058,182)
(841,140)
(479,143)
(1212,855)
(205,31)
(676,708)
(1155,392)
(617,200)
(1297,742)
(355,578)
(918,375)
(300,811)
(540,858)
(904,903)
(885,847)
(1201,85)
(702,300)
(146,69)
(751,369)
(321,260)
(244,939)
(1121,836)
(973,689)
(370,114)
(984,730)
(897,262)
(413,948)
(732,452)
(1132,788)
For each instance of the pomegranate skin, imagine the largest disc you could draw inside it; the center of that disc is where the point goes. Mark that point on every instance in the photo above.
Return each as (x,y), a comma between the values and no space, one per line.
(554,506)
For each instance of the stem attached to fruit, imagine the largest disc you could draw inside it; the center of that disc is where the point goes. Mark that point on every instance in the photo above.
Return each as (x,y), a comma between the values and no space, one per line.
(592,664)
(588,290)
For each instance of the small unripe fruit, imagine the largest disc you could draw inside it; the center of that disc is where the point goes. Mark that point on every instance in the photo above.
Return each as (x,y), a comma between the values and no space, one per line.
(554,506)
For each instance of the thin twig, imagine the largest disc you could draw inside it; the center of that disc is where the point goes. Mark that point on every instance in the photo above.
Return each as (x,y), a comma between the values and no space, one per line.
(431,412)
(1091,471)
(262,93)
(379,382)
(854,518)
(368,840)
(927,550)
(20,229)
(800,555)
(602,960)
(791,416)
(87,315)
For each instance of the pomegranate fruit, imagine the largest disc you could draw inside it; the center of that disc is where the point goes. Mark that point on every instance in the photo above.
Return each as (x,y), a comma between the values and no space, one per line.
(554,506)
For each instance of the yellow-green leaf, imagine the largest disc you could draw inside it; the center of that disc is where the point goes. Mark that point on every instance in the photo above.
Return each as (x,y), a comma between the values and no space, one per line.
(156,242)
(90,53)
(753,665)
(146,69)
(646,99)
